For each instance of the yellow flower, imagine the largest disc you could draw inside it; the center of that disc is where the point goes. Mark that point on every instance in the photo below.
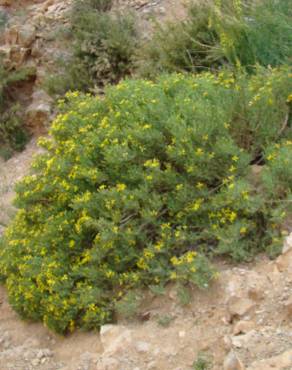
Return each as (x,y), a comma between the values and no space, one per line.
(190,256)
(196,205)
(152,163)
(243,230)
(175,261)
(270,157)
(199,151)
(148,254)
(232,168)
(173,275)
(121,187)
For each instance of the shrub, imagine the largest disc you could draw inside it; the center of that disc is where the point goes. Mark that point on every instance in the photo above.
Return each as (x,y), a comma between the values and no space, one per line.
(13,135)
(217,33)
(103,49)
(138,188)
(3,19)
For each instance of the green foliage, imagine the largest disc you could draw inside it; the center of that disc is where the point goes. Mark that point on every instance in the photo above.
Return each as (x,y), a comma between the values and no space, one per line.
(3,19)
(184,295)
(202,362)
(103,48)
(137,188)
(165,320)
(217,33)
(82,6)
(127,307)
(12,134)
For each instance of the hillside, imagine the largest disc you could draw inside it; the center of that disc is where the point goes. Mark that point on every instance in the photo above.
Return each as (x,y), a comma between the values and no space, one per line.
(243,321)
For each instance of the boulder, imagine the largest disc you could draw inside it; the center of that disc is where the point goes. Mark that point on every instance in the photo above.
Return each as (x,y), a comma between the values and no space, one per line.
(26,35)
(39,111)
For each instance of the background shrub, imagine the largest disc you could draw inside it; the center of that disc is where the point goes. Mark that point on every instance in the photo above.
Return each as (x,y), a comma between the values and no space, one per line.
(217,33)
(103,48)
(138,188)
(13,135)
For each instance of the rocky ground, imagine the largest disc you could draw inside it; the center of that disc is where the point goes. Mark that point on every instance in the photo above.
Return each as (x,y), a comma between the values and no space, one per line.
(243,321)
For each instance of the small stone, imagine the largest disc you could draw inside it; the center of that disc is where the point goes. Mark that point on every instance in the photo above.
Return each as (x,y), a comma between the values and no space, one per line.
(35,362)
(142,346)
(182,334)
(232,362)
(227,343)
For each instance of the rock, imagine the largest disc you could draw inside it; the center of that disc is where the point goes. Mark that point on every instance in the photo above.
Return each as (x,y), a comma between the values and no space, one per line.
(11,35)
(36,51)
(239,306)
(243,326)
(6,2)
(284,261)
(287,244)
(39,111)
(26,35)
(108,363)
(281,362)
(245,340)
(227,343)
(142,346)
(35,362)
(232,362)
(115,338)
(288,307)
(182,334)
(17,56)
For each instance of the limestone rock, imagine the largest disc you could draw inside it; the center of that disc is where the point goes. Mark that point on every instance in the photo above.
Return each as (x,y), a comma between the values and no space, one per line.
(232,362)
(6,2)
(39,111)
(142,346)
(11,35)
(281,362)
(115,338)
(239,306)
(26,35)
(243,326)
(288,307)
(284,261)
(18,55)
(245,340)
(287,244)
